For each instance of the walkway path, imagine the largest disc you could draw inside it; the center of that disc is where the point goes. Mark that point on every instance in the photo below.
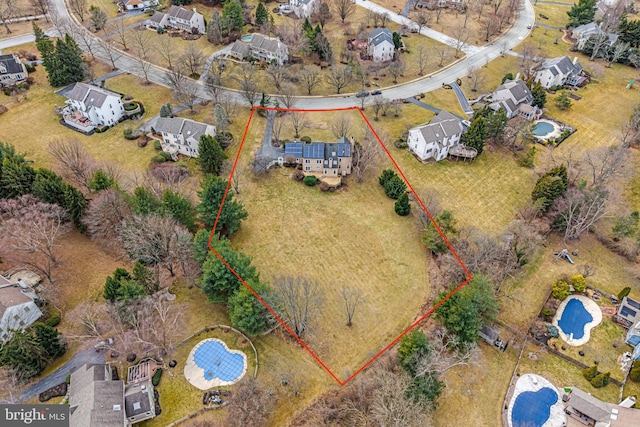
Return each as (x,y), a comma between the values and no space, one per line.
(423,105)
(267,150)
(79,359)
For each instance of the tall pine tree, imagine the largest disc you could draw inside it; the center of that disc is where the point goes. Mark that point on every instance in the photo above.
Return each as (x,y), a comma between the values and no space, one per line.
(475,135)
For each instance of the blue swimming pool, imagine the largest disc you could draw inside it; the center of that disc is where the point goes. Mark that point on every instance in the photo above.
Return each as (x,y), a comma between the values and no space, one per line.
(542,128)
(574,318)
(218,362)
(247,38)
(533,408)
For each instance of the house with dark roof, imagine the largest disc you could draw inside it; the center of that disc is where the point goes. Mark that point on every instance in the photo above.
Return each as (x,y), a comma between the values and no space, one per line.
(586,410)
(583,33)
(180,18)
(182,136)
(18,309)
(560,71)
(380,47)
(97,400)
(324,158)
(261,47)
(137,4)
(433,140)
(88,107)
(12,70)
(628,313)
(435,4)
(515,98)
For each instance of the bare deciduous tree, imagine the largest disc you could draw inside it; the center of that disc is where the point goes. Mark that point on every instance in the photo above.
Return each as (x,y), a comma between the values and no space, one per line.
(167,49)
(105,215)
(616,52)
(341,126)
(579,209)
(30,230)
(275,75)
(296,300)
(288,95)
(245,76)
(112,55)
(299,122)
(423,59)
(73,162)
(365,155)
(460,35)
(344,8)
(250,405)
(118,27)
(41,7)
(422,18)
(606,162)
(351,299)
(442,53)
(79,7)
(309,78)
(340,77)
(396,69)
(183,89)
(193,59)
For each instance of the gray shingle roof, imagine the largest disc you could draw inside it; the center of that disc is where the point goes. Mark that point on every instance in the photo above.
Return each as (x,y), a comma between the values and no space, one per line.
(176,126)
(92,96)
(379,35)
(442,126)
(181,13)
(259,41)
(240,48)
(12,63)
(170,125)
(561,64)
(588,405)
(157,17)
(137,400)
(94,399)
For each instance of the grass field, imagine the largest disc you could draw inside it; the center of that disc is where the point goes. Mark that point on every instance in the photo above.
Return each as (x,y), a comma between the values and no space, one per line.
(334,238)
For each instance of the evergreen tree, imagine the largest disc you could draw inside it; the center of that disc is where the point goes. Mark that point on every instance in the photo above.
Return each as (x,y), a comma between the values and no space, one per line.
(217,281)
(111,289)
(262,14)
(48,53)
(496,122)
(165,110)
(590,373)
(201,245)
(432,238)
(246,312)
(508,76)
(402,206)
(475,135)
(70,56)
(143,276)
(211,193)
(397,40)
(265,100)
(17,175)
(50,188)
(562,101)
(50,340)
(232,15)
(412,347)
(144,202)
(211,155)
(180,208)
(626,226)
(100,181)
(582,13)
(549,187)
(23,355)
(539,95)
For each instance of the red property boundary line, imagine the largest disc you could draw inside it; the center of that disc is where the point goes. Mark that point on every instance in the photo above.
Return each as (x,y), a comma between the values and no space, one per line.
(417,198)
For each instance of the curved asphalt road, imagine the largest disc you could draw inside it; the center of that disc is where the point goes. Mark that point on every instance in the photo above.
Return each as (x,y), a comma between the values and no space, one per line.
(476,58)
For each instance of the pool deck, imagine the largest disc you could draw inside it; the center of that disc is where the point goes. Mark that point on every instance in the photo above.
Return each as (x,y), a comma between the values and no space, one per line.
(533,383)
(593,310)
(195,374)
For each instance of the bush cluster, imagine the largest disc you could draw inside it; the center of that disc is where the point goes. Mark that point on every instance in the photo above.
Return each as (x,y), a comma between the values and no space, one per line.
(155,380)
(310,180)
(560,290)
(393,185)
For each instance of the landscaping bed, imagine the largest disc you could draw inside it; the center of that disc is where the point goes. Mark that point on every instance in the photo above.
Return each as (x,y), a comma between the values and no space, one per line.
(56,391)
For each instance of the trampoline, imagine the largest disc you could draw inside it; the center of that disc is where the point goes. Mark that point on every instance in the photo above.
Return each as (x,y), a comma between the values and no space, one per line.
(212,364)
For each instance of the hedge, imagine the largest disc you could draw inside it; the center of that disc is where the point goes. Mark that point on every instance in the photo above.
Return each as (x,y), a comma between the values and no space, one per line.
(310,180)
(155,380)
(52,321)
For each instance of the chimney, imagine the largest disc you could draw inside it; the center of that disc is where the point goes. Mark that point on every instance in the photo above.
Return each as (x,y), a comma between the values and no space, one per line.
(353,142)
(517,77)
(194,9)
(575,60)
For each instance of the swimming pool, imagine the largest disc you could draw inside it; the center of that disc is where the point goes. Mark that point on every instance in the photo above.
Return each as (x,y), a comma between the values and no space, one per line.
(246,38)
(543,128)
(533,408)
(575,318)
(211,363)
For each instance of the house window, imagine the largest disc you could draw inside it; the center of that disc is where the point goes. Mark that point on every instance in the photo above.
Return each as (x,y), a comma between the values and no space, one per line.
(27,309)
(22,323)
(16,317)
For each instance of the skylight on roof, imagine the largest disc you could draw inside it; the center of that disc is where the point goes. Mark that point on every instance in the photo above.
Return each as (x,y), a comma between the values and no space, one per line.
(136,406)
(117,407)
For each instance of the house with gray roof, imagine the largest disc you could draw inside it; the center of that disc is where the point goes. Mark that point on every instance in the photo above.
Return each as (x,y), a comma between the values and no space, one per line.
(380,47)
(303,8)
(18,309)
(515,98)
(433,140)
(180,18)
(583,33)
(628,313)
(88,107)
(182,136)
(585,409)
(324,158)
(12,70)
(261,47)
(560,71)
(97,400)
(137,4)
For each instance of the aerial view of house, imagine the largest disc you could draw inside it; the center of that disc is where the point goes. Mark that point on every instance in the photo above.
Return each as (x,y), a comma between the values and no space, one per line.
(307,213)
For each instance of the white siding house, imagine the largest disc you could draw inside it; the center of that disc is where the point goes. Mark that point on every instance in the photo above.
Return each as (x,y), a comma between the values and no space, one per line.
(302,8)
(179,18)
(17,308)
(434,139)
(139,4)
(380,47)
(182,136)
(89,106)
(515,98)
(582,33)
(559,71)
(11,70)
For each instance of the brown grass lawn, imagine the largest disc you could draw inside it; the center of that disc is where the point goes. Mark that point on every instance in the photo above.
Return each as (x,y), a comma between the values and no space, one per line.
(333,238)
(557,14)
(23,8)
(18,123)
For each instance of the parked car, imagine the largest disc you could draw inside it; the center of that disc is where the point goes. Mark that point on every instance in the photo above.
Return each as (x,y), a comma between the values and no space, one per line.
(376,92)
(362,94)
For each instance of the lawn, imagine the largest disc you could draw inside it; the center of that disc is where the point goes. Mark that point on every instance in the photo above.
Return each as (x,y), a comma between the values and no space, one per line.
(556,13)
(109,146)
(333,238)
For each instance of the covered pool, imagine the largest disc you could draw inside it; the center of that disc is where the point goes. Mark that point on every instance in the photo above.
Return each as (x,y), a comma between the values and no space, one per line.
(575,318)
(211,363)
(535,403)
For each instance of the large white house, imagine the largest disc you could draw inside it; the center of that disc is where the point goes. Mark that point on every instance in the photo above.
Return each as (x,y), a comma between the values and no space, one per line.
(559,71)
(261,47)
(515,98)
(11,70)
(18,310)
(434,139)
(182,136)
(380,47)
(88,107)
(138,4)
(179,18)
(302,8)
